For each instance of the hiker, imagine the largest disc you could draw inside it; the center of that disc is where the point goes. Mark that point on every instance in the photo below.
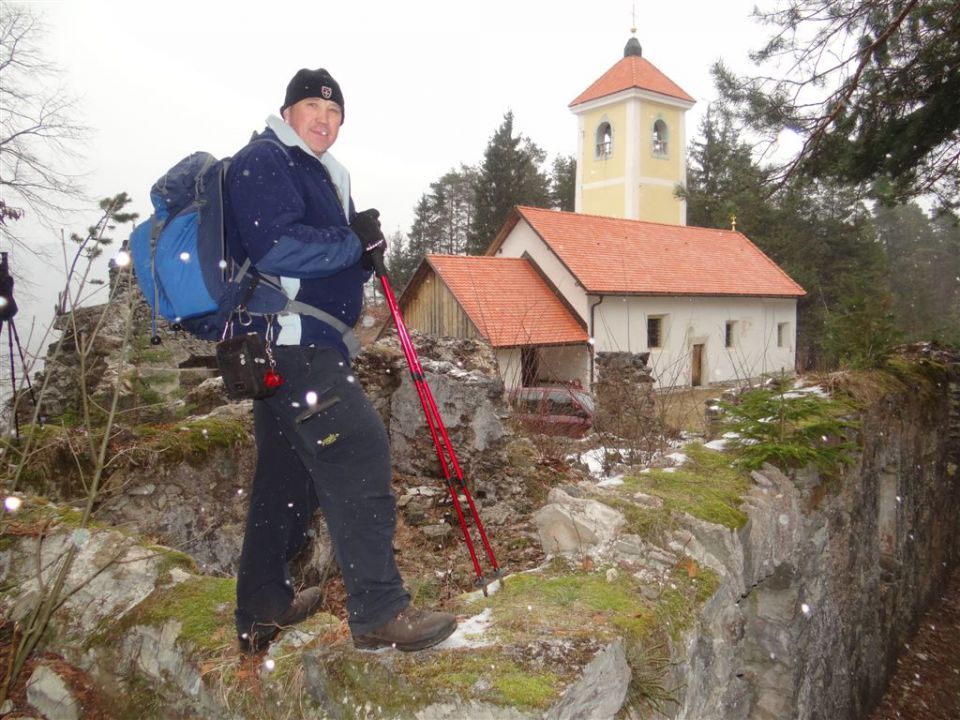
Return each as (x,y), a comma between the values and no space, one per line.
(320,442)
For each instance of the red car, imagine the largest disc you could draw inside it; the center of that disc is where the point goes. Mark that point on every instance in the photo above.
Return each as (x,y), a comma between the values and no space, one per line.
(554,410)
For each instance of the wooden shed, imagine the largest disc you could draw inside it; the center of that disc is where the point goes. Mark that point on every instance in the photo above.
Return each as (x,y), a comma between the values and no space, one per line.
(535,335)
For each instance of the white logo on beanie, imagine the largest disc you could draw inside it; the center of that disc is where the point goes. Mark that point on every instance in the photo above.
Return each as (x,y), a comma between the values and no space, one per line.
(327,92)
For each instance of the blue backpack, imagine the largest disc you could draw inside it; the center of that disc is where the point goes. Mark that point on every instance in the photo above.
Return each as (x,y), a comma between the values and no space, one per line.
(185,269)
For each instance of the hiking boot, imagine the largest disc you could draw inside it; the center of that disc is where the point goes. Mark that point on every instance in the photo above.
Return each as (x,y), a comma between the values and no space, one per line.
(411,629)
(305,604)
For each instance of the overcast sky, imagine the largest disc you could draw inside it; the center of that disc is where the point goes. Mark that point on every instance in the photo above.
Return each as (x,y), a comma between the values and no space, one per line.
(425,82)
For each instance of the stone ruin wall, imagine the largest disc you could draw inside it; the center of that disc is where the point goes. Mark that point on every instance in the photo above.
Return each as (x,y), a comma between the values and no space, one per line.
(829,577)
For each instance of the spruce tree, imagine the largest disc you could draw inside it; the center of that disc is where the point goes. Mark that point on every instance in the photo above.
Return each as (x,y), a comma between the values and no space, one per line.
(453,199)
(925,254)
(510,175)
(563,182)
(423,239)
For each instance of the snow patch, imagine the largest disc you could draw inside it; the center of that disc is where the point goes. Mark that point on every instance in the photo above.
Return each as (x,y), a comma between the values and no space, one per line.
(470,633)
(719,444)
(610,482)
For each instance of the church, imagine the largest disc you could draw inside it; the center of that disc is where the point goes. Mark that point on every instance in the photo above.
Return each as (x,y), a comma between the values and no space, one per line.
(624,272)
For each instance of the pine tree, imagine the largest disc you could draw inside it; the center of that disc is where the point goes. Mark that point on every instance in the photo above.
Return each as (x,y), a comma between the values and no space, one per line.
(872,87)
(724,183)
(405,256)
(453,199)
(563,183)
(925,254)
(510,175)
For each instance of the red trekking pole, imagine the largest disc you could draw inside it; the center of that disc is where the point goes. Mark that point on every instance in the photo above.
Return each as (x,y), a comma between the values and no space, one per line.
(441,441)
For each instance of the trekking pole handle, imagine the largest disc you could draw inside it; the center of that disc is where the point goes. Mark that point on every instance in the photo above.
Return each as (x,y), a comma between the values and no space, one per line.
(379,266)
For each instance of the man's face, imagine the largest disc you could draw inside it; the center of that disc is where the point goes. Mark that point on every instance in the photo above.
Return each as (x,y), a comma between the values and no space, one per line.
(316,121)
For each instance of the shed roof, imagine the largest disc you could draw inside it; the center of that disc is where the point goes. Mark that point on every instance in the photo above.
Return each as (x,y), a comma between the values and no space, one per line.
(507,300)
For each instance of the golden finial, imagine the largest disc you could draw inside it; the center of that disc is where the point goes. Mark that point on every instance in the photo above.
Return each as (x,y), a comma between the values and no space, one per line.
(633,24)
(733,223)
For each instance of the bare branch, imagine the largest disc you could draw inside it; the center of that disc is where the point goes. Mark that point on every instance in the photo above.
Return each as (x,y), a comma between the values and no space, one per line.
(38,133)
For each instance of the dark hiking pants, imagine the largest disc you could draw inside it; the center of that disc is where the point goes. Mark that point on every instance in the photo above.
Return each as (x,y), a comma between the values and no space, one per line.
(336,457)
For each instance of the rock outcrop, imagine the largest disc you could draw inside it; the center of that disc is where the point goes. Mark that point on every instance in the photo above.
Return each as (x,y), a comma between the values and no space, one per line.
(786,597)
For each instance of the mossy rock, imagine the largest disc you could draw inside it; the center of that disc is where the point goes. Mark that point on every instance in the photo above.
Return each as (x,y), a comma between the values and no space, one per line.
(707,486)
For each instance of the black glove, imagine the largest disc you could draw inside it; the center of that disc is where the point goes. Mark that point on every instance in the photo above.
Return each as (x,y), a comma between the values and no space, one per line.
(366,226)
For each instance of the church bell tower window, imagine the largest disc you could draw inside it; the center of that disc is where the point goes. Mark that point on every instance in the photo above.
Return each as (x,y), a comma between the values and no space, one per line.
(604,140)
(660,138)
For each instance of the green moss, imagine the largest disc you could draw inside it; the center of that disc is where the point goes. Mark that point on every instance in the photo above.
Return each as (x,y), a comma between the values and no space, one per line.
(506,681)
(576,604)
(202,605)
(649,523)
(194,438)
(580,607)
(922,377)
(170,559)
(679,604)
(156,355)
(520,689)
(352,678)
(706,486)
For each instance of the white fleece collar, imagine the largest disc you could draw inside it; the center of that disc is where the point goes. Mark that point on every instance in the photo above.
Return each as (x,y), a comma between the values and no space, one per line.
(338,173)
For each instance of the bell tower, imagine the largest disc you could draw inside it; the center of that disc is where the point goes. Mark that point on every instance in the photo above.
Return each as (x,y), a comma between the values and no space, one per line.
(631,147)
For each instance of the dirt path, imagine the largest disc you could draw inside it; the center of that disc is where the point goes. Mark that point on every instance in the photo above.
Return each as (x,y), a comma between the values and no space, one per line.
(927,682)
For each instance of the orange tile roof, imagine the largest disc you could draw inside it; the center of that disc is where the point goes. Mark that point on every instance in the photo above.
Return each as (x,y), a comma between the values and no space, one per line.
(632,72)
(617,256)
(508,300)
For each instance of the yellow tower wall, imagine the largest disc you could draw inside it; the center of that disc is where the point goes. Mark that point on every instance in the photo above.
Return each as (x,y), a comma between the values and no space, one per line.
(608,201)
(663,167)
(613,167)
(657,203)
(634,181)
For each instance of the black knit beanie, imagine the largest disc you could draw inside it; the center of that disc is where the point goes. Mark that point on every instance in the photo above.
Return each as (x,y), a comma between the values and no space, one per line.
(313,83)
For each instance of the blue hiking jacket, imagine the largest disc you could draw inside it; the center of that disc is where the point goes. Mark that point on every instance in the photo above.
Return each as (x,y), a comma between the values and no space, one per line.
(284,211)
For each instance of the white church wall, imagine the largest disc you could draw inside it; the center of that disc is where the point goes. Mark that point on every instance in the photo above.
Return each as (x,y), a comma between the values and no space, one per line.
(621,325)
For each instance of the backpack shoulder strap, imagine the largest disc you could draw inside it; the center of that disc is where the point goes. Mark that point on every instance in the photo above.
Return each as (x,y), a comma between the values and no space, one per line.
(346,332)
(349,337)
(272,141)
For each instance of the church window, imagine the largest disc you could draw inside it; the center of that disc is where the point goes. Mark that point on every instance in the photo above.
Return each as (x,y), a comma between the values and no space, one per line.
(655,332)
(660,138)
(783,331)
(728,333)
(604,140)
